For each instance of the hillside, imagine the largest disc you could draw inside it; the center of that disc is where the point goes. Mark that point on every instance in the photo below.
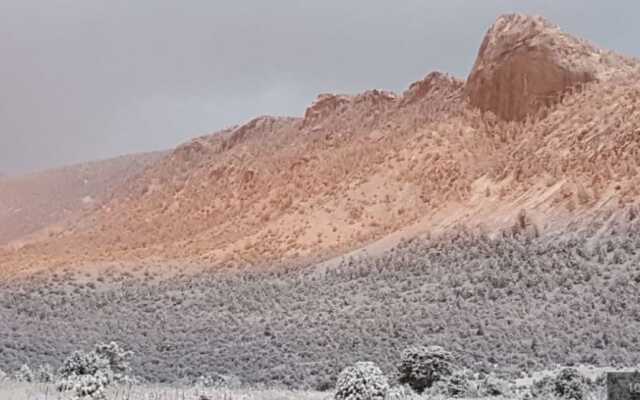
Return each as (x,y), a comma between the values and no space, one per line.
(516,303)
(544,129)
(498,217)
(33,202)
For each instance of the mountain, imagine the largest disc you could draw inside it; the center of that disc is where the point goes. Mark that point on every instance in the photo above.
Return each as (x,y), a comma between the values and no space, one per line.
(43,200)
(543,135)
(497,217)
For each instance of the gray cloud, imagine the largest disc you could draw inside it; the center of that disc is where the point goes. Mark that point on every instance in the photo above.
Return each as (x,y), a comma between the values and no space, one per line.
(91,79)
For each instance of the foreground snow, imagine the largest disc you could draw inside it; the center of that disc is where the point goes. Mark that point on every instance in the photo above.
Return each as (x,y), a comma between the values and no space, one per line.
(34,391)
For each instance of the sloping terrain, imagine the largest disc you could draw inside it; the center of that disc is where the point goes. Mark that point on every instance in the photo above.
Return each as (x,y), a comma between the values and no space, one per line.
(545,130)
(39,200)
(515,303)
(499,218)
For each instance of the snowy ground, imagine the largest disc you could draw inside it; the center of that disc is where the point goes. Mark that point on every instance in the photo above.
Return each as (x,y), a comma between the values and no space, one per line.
(29,391)
(10,390)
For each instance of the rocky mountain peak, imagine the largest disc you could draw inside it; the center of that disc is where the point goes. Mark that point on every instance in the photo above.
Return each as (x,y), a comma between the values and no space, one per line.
(526,63)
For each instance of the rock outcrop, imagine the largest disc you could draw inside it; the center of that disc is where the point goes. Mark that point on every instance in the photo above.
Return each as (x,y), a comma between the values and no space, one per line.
(257,128)
(326,104)
(526,63)
(433,82)
(348,113)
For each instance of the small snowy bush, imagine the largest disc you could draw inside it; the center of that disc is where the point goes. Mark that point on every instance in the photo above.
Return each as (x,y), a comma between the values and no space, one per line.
(92,386)
(567,384)
(116,358)
(363,381)
(458,384)
(494,386)
(88,374)
(80,363)
(217,381)
(421,366)
(402,393)
(24,374)
(45,374)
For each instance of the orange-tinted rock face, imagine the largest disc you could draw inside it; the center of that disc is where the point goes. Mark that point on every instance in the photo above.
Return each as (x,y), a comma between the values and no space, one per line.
(525,64)
(434,81)
(326,104)
(524,83)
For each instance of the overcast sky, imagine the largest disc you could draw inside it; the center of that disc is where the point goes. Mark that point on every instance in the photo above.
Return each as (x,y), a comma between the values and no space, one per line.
(87,79)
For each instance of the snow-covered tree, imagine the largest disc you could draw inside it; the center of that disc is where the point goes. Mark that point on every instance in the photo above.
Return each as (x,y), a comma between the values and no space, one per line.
(363,381)
(24,374)
(88,374)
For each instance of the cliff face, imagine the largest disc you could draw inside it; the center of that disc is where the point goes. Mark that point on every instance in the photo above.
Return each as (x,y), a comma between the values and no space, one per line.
(526,64)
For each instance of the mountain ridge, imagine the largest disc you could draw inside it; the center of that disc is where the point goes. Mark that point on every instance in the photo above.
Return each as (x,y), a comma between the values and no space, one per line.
(358,168)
